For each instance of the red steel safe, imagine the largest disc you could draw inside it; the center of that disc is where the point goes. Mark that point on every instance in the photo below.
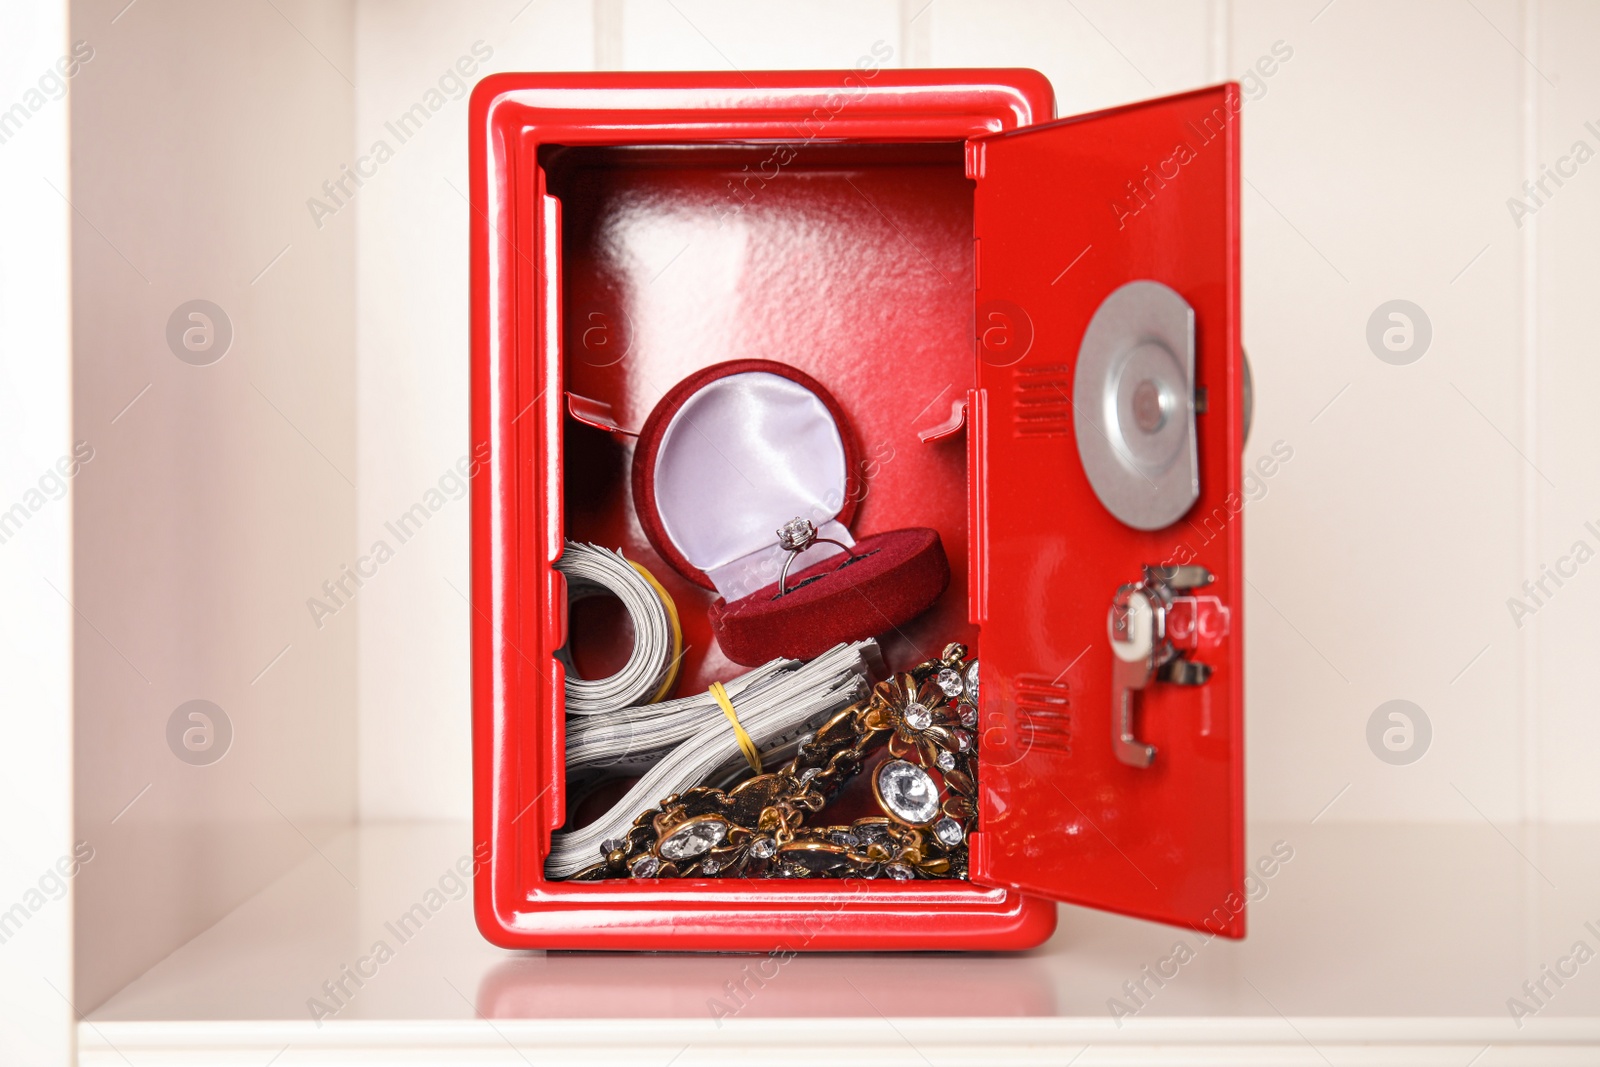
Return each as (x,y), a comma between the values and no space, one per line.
(1035,325)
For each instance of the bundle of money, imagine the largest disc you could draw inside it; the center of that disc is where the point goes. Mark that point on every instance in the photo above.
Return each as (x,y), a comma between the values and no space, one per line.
(691,741)
(631,740)
(657,644)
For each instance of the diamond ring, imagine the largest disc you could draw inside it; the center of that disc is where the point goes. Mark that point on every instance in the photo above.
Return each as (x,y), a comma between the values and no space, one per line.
(797,535)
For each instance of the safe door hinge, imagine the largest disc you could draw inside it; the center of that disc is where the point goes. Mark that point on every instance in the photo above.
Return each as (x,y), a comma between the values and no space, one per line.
(977,158)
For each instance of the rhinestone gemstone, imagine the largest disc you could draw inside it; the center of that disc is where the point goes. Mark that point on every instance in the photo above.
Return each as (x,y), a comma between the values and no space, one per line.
(611,844)
(693,838)
(898,871)
(947,761)
(710,865)
(918,717)
(907,792)
(969,715)
(948,831)
(950,681)
(763,848)
(972,679)
(796,534)
(963,740)
(805,776)
(645,867)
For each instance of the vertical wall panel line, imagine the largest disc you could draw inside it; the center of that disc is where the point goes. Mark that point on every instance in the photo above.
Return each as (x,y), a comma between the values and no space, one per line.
(1219,46)
(608,35)
(916,33)
(1528,660)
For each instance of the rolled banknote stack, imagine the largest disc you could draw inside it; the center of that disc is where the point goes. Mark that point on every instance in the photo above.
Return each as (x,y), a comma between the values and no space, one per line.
(683,743)
(594,571)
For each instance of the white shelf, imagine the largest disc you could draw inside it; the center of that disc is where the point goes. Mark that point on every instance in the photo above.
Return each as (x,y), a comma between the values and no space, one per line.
(1375,943)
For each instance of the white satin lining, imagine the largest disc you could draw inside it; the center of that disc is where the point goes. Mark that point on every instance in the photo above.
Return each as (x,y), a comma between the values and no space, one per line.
(742,456)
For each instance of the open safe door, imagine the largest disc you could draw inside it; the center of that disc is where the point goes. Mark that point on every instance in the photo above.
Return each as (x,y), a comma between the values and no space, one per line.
(1107,438)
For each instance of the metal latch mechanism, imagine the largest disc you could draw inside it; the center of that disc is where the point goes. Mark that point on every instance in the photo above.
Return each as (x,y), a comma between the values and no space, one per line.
(1154,625)
(1134,404)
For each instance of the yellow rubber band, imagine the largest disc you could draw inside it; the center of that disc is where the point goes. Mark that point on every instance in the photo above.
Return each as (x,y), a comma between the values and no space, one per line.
(752,754)
(671,677)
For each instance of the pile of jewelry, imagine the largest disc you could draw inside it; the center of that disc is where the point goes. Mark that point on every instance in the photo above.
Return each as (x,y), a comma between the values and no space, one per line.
(926,788)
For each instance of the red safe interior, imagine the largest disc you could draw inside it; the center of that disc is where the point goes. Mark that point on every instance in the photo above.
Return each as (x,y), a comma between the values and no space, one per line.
(930,247)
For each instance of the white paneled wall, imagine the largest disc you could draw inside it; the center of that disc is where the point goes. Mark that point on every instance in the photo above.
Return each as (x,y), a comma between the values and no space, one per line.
(719,34)
(1376,164)
(1095,54)
(1563,375)
(36,557)
(221,489)
(1381,142)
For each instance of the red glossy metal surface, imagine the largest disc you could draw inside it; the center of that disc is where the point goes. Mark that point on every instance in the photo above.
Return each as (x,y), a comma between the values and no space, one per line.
(1065,214)
(627,231)
(852,261)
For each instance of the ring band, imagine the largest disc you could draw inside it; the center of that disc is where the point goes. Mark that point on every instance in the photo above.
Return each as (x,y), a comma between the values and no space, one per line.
(797,535)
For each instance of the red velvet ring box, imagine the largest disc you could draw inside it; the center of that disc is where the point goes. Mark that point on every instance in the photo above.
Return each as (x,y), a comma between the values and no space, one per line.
(738,449)
(942,258)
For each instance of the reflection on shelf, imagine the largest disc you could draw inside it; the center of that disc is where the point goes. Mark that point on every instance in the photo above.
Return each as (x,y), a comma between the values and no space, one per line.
(562,985)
